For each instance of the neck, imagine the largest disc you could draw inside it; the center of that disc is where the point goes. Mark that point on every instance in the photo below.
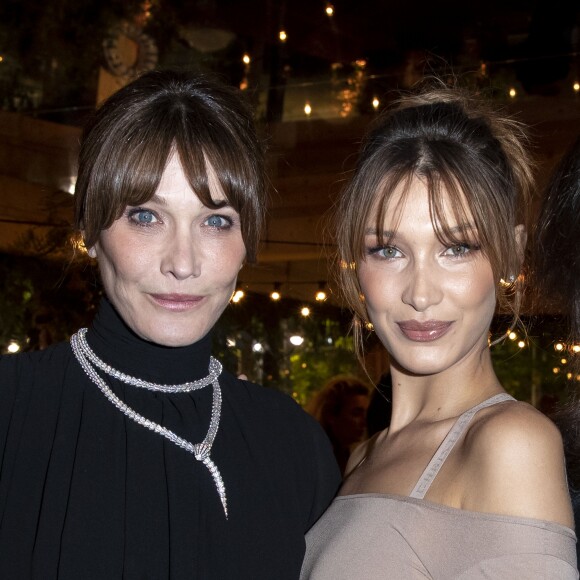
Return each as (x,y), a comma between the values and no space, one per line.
(117,345)
(444,395)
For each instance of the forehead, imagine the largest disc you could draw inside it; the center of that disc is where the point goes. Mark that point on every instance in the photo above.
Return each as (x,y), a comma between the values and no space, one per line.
(416,201)
(174,181)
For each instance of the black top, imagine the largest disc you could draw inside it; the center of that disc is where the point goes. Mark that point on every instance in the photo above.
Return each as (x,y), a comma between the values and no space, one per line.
(85,492)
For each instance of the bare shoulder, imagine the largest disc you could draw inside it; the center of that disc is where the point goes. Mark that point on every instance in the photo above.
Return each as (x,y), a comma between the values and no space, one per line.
(516,460)
(360,453)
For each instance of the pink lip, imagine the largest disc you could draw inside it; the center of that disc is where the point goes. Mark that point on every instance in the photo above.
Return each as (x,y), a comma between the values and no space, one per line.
(424,331)
(177,302)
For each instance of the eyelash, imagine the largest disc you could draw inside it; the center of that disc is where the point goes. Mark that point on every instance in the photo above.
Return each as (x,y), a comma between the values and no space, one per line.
(469,248)
(229,222)
(132,213)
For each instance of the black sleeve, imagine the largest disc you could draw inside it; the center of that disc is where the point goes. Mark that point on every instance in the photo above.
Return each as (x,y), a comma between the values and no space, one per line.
(325,469)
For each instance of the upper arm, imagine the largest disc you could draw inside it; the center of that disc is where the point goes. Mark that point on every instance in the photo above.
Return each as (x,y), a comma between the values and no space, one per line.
(517,466)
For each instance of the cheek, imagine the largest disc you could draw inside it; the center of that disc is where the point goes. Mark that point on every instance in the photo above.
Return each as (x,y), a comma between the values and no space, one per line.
(476,289)
(379,290)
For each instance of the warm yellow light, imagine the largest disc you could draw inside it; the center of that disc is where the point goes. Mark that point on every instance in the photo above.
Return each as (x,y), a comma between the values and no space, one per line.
(556,370)
(564,361)
(307,108)
(576,348)
(521,344)
(305,311)
(575,86)
(1,58)
(329,9)
(303,365)
(275,296)
(246,59)
(320,296)
(512,93)
(569,376)
(13,347)
(282,36)
(376,103)
(238,295)
(559,346)
(296,340)
(512,335)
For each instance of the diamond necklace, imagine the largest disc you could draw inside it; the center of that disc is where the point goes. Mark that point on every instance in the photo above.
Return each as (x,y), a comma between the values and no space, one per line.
(201,451)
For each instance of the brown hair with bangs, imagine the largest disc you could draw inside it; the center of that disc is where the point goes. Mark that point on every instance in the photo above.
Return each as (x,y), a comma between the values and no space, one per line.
(127,143)
(455,144)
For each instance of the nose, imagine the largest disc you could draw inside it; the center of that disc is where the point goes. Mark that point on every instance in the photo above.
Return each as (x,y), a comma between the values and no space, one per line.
(423,286)
(182,256)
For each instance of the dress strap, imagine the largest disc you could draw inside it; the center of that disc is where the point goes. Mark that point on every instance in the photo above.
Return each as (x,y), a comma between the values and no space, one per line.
(449,442)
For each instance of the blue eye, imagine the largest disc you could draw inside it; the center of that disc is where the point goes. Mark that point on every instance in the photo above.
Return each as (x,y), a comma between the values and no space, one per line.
(219,222)
(385,252)
(142,217)
(459,250)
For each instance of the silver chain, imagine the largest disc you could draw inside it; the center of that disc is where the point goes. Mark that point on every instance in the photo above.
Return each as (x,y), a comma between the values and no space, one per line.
(201,451)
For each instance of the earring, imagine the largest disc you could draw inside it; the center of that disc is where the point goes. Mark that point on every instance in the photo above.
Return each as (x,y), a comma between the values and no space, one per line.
(92,252)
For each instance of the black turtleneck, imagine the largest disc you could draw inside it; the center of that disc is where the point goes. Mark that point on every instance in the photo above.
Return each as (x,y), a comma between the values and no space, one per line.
(85,492)
(113,341)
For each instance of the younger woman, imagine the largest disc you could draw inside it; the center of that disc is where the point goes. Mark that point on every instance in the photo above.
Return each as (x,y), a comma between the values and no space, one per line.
(466,482)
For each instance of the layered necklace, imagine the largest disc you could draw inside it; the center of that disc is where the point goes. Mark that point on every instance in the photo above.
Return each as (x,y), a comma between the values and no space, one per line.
(89,362)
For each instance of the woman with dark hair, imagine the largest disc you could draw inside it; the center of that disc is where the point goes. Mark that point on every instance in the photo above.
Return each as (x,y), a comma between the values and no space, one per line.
(130,453)
(341,408)
(466,482)
(556,272)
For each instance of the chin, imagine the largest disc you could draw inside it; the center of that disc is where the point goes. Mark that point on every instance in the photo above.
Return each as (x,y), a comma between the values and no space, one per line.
(171,337)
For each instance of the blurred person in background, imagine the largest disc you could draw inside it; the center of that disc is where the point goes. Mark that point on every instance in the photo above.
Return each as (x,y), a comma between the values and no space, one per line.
(556,273)
(341,408)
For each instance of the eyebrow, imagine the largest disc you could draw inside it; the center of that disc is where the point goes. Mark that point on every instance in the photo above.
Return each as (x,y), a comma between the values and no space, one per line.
(454,230)
(221,203)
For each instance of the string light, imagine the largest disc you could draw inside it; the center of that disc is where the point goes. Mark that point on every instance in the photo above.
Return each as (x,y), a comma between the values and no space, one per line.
(282,36)
(257,347)
(321,294)
(13,347)
(246,59)
(512,335)
(275,294)
(559,346)
(564,361)
(307,108)
(296,340)
(329,9)
(512,93)
(576,348)
(375,103)
(521,344)
(576,86)
(556,370)
(305,311)
(238,295)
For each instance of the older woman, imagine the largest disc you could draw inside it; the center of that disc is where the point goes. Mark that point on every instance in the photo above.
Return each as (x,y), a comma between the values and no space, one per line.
(129,452)
(466,482)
